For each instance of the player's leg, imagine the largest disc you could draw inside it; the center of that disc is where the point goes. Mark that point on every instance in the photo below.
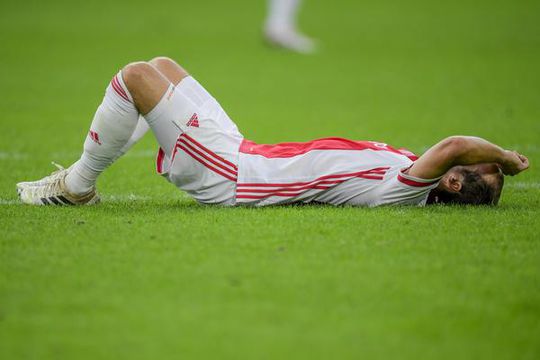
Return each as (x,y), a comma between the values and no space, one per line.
(280,26)
(174,73)
(140,88)
(136,89)
(140,130)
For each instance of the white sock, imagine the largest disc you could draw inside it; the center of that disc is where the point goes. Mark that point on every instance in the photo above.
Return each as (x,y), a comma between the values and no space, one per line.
(112,128)
(282,15)
(141,129)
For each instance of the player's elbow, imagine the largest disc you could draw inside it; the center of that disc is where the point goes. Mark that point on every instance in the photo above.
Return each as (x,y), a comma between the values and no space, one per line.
(455,142)
(454,147)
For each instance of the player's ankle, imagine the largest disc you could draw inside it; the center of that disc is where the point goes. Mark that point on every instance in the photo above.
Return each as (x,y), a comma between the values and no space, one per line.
(76,184)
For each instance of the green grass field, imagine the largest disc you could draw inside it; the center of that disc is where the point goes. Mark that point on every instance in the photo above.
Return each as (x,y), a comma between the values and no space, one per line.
(149,274)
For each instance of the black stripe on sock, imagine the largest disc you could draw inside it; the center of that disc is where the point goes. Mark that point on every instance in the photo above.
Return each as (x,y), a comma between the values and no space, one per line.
(55,201)
(64,200)
(44,201)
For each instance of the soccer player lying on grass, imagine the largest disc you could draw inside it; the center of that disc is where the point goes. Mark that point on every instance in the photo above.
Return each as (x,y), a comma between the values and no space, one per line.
(203,153)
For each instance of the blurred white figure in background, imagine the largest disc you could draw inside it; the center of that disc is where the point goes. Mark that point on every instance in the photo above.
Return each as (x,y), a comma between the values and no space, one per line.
(280,27)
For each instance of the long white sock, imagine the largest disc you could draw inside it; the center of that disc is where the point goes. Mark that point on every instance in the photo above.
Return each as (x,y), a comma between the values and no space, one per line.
(112,127)
(140,130)
(282,15)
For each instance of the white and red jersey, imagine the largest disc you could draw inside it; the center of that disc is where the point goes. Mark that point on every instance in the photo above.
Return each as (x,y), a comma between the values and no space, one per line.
(203,153)
(332,170)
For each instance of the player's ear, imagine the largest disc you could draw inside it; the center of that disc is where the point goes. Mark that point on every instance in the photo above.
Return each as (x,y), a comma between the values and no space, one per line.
(455,182)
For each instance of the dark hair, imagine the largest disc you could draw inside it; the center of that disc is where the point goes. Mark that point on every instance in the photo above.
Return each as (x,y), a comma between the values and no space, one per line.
(474,191)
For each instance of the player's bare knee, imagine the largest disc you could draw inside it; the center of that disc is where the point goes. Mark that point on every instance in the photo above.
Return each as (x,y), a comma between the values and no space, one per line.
(136,73)
(145,84)
(162,61)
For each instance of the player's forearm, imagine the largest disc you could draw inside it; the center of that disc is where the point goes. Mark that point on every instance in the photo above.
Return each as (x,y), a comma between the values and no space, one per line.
(465,150)
(470,150)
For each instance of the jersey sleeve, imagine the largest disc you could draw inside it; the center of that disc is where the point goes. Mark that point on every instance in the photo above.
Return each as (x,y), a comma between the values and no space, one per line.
(403,189)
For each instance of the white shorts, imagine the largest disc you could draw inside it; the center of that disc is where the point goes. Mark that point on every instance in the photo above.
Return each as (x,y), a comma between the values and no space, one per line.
(198,143)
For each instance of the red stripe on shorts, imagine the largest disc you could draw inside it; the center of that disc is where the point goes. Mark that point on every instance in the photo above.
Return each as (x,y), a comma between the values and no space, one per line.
(208,151)
(201,154)
(206,157)
(207,165)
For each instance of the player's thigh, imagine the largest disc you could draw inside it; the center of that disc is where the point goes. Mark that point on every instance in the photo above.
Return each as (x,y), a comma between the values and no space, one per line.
(214,115)
(189,108)
(170,117)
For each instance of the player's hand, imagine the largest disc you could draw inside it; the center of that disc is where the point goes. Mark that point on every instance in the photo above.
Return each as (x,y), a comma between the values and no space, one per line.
(514,163)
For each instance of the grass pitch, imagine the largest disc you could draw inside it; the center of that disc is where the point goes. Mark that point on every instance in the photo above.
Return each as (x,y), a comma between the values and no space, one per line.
(149,274)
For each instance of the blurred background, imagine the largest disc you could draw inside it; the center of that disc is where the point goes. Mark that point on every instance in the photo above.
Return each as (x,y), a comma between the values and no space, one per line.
(402,72)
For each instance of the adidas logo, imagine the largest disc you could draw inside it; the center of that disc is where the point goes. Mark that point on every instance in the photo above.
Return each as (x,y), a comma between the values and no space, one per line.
(94,136)
(193,121)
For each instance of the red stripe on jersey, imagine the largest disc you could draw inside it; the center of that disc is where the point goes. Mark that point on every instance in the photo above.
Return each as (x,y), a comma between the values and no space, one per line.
(209,166)
(246,191)
(200,153)
(285,192)
(376,172)
(285,187)
(323,184)
(295,189)
(261,191)
(209,152)
(408,154)
(267,196)
(291,149)
(415,183)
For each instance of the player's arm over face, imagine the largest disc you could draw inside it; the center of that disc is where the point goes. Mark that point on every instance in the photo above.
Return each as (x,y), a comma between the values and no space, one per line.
(466,150)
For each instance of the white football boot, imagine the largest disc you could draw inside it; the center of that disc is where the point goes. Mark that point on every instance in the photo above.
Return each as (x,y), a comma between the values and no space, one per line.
(51,190)
(291,40)
(41,181)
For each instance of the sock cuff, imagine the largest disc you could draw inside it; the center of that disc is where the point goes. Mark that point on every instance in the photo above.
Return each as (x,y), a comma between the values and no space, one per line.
(120,88)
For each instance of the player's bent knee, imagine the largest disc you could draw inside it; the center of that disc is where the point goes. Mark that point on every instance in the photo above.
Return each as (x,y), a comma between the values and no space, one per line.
(136,72)
(161,60)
